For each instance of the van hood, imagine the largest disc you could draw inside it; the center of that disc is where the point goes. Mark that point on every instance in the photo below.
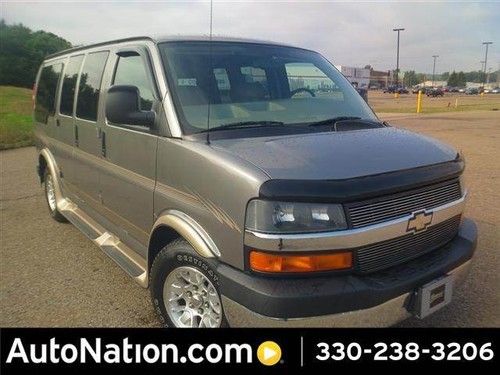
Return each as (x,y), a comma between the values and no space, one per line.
(338,155)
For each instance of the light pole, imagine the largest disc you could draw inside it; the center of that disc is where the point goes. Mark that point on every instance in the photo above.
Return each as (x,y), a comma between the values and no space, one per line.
(434,68)
(498,76)
(482,69)
(486,60)
(397,56)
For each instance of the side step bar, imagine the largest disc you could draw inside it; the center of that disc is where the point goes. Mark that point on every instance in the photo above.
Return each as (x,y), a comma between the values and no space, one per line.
(125,257)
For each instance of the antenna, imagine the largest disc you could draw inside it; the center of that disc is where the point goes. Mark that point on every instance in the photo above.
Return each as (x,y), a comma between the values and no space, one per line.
(209,73)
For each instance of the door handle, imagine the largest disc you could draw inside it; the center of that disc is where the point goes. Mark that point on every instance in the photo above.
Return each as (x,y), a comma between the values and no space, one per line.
(76,136)
(103,144)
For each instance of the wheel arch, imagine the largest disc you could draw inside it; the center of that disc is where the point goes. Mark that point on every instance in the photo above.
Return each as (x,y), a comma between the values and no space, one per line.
(173,224)
(46,160)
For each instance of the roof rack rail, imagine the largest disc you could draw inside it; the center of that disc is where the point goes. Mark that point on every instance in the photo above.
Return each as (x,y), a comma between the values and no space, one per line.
(79,48)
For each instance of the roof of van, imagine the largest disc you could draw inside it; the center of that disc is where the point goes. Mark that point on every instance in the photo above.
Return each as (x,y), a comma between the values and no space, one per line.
(169,38)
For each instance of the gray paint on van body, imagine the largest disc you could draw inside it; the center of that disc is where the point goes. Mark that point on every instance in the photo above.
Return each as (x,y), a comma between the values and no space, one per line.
(143,176)
(339,155)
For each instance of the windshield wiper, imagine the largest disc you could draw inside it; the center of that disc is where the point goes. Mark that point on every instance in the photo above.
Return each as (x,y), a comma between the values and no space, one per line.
(244,125)
(333,120)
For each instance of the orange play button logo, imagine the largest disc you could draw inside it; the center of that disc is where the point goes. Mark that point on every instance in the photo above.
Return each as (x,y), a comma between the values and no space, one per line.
(269,353)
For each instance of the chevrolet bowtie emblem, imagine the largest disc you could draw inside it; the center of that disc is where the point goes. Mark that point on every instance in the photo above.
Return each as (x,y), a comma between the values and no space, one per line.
(419,221)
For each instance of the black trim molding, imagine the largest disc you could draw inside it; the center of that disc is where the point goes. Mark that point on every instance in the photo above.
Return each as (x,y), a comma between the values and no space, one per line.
(353,189)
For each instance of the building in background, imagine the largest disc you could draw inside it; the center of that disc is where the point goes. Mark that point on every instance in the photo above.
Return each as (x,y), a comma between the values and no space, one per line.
(429,83)
(360,77)
(380,79)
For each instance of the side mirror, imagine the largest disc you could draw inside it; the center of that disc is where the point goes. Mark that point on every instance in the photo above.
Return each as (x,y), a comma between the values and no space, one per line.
(123,106)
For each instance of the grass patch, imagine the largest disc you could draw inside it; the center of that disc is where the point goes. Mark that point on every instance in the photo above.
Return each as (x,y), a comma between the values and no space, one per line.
(16,124)
(407,104)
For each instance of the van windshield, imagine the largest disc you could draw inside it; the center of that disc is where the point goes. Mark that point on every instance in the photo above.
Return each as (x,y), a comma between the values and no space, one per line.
(256,84)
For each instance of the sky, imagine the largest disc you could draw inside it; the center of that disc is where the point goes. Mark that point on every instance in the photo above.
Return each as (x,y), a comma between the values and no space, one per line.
(347,33)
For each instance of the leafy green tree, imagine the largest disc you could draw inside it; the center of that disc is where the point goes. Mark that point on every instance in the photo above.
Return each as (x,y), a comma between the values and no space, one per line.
(476,76)
(453,79)
(461,80)
(410,78)
(22,52)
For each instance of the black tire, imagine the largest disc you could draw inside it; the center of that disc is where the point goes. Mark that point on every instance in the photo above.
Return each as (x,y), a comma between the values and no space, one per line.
(54,212)
(176,254)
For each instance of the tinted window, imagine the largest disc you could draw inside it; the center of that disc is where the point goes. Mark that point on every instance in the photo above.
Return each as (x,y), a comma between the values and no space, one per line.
(69,85)
(305,79)
(131,71)
(256,77)
(255,83)
(223,84)
(90,83)
(46,92)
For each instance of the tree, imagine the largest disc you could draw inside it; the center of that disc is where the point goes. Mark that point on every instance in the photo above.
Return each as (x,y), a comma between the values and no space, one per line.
(461,80)
(453,79)
(410,78)
(23,51)
(475,76)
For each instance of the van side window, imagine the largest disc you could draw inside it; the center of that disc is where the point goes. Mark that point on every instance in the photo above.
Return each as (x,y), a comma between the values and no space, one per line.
(45,101)
(130,70)
(69,85)
(90,85)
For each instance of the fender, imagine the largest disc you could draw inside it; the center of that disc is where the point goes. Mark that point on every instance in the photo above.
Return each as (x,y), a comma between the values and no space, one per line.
(54,171)
(190,230)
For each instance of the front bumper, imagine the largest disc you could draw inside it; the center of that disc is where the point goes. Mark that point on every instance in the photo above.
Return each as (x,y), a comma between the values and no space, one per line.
(380,299)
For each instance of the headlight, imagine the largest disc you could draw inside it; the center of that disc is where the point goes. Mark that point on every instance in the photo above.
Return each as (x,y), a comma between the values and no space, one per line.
(286,217)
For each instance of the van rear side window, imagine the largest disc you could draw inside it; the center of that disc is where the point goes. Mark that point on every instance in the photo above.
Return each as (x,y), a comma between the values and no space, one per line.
(45,102)
(69,85)
(90,85)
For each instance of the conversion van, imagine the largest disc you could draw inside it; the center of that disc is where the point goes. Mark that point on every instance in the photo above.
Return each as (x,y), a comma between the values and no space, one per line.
(247,183)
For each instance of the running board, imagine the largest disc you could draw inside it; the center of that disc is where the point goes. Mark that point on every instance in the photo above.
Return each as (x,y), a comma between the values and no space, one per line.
(124,256)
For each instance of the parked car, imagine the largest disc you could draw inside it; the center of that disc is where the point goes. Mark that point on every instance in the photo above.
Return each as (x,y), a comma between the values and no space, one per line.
(415,90)
(454,89)
(495,90)
(462,90)
(435,92)
(314,214)
(391,89)
(472,91)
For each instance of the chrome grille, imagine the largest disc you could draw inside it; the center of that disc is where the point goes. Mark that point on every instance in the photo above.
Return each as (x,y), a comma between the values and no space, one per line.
(373,212)
(389,253)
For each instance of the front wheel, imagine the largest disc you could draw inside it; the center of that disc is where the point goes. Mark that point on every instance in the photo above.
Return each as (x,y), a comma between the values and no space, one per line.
(184,288)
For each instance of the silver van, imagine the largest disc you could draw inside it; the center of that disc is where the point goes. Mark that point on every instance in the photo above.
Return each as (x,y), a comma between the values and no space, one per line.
(247,183)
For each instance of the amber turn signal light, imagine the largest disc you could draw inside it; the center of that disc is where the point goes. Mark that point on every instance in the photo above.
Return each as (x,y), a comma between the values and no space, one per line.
(269,262)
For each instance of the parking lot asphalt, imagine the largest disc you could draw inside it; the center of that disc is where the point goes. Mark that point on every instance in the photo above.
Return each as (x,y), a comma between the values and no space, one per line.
(51,275)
